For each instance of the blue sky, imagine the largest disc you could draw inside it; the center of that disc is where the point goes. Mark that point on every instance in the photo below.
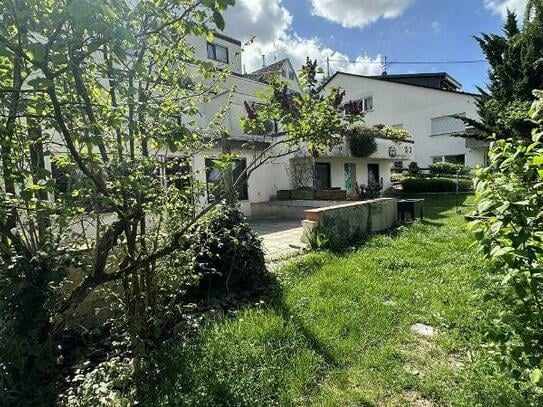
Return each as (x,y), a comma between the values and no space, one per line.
(364,31)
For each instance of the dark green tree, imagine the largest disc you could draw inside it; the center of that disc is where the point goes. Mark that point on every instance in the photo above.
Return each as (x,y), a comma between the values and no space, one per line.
(516,69)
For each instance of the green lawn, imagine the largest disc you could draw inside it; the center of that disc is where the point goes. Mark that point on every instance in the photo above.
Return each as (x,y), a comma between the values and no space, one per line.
(337,332)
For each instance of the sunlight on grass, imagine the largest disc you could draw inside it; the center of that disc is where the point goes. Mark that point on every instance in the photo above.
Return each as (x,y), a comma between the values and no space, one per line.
(338,331)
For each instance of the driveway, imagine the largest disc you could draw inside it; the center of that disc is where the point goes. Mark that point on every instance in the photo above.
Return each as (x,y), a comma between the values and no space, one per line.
(280,237)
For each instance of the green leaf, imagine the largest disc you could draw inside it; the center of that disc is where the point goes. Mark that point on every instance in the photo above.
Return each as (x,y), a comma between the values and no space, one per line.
(218,20)
(535,376)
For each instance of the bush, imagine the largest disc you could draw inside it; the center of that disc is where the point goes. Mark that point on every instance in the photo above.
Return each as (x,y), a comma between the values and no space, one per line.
(226,253)
(510,233)
(391,132)
(434,185)
(361,141)
(413,169)
(444,168)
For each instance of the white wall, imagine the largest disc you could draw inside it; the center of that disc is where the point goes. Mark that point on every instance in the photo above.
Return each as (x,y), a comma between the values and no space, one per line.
(200,51)
(413,107)
(337,170)
(263,183)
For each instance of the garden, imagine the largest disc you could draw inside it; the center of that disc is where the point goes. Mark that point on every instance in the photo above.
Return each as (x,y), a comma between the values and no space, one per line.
(120,287)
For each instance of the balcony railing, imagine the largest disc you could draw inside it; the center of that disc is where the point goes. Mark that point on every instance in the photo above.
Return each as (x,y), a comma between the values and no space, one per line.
(387,149)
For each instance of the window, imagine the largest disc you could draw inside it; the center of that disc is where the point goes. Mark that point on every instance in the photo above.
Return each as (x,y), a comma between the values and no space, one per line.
(359,106)
(291,75)
(214,178)
(284,73)
(217,52)
(178,172)
(368,103)
(447,125)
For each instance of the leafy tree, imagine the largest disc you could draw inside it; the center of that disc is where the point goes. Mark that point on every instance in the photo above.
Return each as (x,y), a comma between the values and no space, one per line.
(98,89)
(516,68)
(308,121)
(510,232)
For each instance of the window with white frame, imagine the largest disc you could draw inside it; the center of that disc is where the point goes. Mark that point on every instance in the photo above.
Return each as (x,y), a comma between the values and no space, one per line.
(448,125)
(217,52)
(368,104)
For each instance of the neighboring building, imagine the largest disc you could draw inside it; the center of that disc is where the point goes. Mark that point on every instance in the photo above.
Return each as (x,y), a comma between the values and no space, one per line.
(334,169)
(425,105)
(282,69)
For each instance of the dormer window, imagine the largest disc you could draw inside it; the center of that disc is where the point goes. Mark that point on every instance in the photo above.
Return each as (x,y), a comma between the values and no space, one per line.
(217,52)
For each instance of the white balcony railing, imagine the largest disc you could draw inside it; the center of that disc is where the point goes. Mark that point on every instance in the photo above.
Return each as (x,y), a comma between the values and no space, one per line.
(387,149)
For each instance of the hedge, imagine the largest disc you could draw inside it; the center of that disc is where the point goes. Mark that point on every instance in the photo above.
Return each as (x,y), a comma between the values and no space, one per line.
(435,185)
(445,168)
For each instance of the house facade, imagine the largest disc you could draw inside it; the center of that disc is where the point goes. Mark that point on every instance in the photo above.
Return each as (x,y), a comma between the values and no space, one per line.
(427,105)
(335,169)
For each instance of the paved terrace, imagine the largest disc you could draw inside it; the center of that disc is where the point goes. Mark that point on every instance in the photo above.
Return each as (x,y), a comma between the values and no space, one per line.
(280,237)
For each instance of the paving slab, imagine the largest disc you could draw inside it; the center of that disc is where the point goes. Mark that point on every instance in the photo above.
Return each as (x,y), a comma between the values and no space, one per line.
(280,237)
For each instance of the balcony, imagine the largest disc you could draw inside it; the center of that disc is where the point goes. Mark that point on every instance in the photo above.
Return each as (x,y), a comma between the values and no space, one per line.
(387,149)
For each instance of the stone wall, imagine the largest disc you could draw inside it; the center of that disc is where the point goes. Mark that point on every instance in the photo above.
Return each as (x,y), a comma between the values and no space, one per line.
(348,221)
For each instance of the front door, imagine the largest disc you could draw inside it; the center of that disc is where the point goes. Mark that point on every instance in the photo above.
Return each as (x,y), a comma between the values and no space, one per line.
(350,179)
(322,176)
(373,174)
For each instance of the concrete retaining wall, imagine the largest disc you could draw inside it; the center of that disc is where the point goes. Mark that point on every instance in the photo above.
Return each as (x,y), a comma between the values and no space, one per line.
(288,209)
(351,220)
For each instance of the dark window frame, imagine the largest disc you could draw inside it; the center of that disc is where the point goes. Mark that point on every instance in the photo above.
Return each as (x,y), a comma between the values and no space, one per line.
(239,165)
(328,176)
(211,46)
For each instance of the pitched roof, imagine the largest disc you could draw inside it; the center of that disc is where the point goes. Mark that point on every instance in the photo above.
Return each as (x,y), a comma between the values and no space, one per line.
(383,78)
(264,73)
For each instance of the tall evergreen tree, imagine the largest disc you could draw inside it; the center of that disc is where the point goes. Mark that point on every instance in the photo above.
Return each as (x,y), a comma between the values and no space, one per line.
(516,69)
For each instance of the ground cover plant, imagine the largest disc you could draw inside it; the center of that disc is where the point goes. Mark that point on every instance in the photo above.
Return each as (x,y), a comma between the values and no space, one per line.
(336,329)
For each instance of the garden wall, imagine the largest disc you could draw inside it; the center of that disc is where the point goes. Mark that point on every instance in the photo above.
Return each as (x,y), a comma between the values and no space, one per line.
(349,221)
(286,209)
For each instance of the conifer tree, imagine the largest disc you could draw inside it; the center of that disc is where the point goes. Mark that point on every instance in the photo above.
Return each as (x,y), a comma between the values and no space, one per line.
(516,69)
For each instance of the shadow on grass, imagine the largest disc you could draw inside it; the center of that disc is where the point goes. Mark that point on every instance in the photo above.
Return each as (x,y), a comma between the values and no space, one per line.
(224,375)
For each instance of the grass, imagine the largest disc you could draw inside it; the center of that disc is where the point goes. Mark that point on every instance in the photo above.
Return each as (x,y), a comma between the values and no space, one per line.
(337,332)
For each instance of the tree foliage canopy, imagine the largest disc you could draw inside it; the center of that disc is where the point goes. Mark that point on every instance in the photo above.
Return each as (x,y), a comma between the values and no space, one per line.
(516,69)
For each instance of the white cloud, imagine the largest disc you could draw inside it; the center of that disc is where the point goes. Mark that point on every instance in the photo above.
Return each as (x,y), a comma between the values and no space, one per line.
(270,23)
(501,6)
(436,27)
(359,13)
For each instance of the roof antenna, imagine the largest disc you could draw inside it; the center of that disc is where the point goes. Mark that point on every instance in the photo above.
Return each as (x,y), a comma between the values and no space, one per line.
(244,70)
(384,67)
(263,61)
(274,52)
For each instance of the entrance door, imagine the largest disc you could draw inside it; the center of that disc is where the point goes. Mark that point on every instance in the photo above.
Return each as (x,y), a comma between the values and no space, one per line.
(373,173)
(350,179)
(322,176)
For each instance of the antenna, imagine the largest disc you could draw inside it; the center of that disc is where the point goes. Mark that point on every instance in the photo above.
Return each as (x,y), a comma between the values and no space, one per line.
(328,66)
(274,52)
(244,70)
(385,67)
(263,61)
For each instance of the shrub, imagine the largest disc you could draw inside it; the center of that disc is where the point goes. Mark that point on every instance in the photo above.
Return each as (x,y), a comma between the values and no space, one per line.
(510,233)
(434,185)
(391,132)
(444,168)
(361,141)
(371,191)
(413,168)
(226,253)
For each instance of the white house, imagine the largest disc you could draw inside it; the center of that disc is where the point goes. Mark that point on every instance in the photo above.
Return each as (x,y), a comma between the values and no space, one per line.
(334,169)
(425,105)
